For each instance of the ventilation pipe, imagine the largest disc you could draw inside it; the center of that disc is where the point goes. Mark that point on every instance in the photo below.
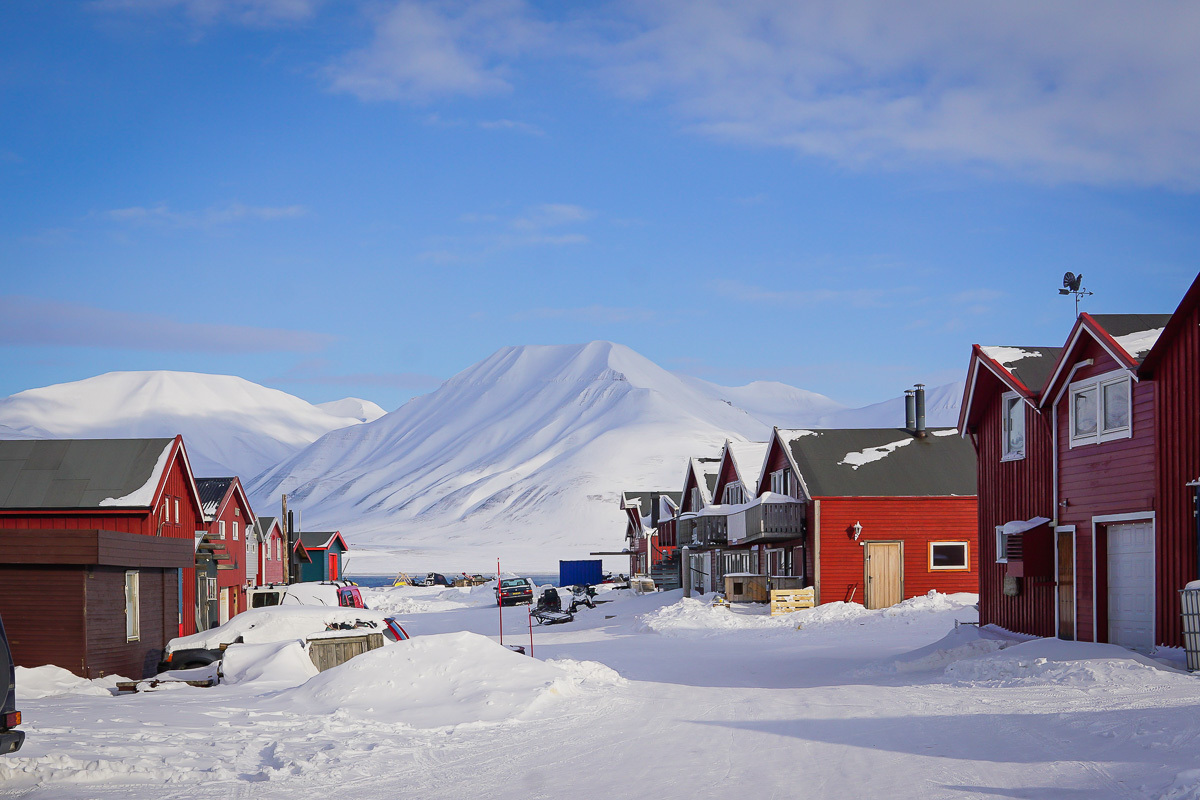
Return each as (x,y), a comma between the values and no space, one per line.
(910,411)
(919,430)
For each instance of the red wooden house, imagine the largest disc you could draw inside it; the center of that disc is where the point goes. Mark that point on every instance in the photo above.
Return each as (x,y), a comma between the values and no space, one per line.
(736,486)
(698,536)
(229,520)
(272,551)
(888,513)
(97,551)
(649,529)
(1013,444)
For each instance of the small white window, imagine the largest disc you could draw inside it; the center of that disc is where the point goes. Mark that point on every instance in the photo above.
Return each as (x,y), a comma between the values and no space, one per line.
(695,499)
(221,529)
(781,482)
(735,494)
(1001,546)
(235,530)
(177,509)
(1100,409)
(1013,444)
(133,607)
(950,555)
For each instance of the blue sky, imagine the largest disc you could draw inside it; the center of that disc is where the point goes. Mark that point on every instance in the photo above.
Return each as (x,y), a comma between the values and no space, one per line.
(363,198)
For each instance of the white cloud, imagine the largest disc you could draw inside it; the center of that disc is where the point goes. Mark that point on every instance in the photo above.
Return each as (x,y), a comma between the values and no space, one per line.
(425,50)
(207,12)
(1096,92)
(234,212)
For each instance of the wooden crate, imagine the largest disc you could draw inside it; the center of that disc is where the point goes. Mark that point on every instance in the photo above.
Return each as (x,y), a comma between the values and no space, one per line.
(744,587)
(784,601)
(327,652)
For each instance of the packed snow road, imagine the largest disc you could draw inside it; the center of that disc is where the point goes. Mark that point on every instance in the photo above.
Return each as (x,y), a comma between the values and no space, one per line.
(652,696)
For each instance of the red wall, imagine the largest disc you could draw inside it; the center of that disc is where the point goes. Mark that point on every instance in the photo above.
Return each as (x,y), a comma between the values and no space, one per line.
(1114,477)
(233,509)
(915,521)
(1012,490)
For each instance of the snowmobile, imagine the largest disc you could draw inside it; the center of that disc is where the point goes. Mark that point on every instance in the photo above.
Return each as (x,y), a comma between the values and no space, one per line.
(549,609)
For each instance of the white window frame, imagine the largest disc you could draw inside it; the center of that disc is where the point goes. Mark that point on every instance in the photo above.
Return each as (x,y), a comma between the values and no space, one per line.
(735,494)
(1001,545)
(221,529)
(736,561)
(1007,400)
(176,509)
(966,548)
(235,530)
(696,504)
(1098,384)
(133,606)
(780,483)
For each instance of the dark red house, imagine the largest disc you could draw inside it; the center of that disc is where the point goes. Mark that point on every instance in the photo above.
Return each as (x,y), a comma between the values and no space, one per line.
(97,551)
(272,551)
(229,520)
(649,529)
(1013,444)
(699,536)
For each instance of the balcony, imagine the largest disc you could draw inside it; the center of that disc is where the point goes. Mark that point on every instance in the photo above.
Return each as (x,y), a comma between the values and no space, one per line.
(708,530)
(767,522)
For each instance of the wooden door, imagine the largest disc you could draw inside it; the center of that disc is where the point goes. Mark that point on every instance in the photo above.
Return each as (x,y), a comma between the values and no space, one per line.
(333,566)
(884,572)
(1066,585)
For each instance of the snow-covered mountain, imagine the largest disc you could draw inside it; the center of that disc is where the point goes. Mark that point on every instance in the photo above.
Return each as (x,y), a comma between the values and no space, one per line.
(524,454)
(353,407)
(230,425)
(941,410)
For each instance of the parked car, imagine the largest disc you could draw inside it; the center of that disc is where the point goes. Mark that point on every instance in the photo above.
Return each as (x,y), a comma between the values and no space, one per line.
(271,624)
(11,739)
(514,591)
(326,593)
(436,579)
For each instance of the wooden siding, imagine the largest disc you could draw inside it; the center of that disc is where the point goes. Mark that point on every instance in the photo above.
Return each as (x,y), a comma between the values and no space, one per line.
(1116,477)
(726,476)
(42,608)
(75,547)
(1177,422)
(231,510)
(1012,490)
(108,650)
(776,460)
(915,521)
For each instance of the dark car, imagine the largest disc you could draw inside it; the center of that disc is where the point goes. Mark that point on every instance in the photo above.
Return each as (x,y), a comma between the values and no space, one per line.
(514,591)
(11,739)
(436,579)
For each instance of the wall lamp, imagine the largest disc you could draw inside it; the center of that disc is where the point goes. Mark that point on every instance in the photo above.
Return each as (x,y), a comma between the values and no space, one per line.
(857,529)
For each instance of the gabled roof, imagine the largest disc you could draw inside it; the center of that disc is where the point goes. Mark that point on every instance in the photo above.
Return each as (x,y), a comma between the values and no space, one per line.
(1128,338)
(705,470)
(263,525)
(1190,301)
(747,459)
(649,505)
(322,540)
(1023,370)
(212,492)
(86,473)
(882,462)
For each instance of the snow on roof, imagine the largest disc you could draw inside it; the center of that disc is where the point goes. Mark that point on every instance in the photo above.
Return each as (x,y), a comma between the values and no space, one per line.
(144,494)
(857,459)
(1139,343)
(946,432)
(1004,356)
(789,436)
(747,461)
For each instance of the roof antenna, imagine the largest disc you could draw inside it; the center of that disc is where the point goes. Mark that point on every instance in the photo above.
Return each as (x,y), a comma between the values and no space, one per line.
(1073,284)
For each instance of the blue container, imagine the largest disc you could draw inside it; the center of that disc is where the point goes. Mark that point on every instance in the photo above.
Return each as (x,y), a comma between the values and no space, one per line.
(586,573)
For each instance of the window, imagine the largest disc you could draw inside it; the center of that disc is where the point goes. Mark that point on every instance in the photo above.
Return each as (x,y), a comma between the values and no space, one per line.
(1100,409)
(735,494)
(1013,444)
(221,529)
(177,509)
(781,482)
(695,499)
(133,607)
(1001,546)
(235,530)
(950,555)
(737,561)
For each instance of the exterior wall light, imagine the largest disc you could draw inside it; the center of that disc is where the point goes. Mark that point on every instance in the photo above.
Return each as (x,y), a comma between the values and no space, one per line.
(857,530)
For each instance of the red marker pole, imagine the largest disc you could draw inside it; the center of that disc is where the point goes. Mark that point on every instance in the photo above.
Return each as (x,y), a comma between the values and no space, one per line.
(500,601)
(530,611)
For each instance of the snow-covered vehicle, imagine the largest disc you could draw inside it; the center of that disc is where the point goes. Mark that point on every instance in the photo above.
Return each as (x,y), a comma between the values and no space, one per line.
(514,591)
(325,593)
(11,739)
(273,624)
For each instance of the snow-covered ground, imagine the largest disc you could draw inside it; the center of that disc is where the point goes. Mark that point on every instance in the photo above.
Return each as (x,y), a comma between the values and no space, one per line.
(644,696)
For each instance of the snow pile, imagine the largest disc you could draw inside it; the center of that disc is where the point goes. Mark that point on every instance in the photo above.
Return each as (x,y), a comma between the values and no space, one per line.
(965,641)
(931,602)
(34,683)
(276,624)
(442,680)
(276,662)
(398,600)
(1061,663)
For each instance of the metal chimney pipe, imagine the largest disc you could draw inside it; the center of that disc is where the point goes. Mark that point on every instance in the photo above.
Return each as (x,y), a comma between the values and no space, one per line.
(919,430)
(910,411)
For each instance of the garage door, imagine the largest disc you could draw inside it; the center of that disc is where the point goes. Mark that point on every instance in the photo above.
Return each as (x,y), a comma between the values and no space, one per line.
(1131,585)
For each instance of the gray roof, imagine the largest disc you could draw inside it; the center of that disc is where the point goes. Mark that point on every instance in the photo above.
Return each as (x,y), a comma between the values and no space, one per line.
(1124,324)
(79,473)
(316,540)
(1033,370)
(648,502)
(262,525)
(938,465)
(212,492)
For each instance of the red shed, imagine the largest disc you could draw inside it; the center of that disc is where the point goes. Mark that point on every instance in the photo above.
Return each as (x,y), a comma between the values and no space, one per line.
(102,533)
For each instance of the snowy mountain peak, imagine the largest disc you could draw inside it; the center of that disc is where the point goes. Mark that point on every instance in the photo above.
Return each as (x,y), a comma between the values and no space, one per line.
(354,408)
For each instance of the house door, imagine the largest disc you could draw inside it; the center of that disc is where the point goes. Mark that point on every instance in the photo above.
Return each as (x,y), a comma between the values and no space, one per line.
(225,597)
(333,567)
(1066,584)
(1131,585)
(885,579)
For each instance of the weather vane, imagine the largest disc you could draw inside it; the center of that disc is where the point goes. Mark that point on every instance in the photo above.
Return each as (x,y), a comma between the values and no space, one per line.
(1073,284)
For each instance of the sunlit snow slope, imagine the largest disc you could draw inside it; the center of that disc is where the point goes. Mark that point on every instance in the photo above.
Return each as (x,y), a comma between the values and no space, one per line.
(230,426)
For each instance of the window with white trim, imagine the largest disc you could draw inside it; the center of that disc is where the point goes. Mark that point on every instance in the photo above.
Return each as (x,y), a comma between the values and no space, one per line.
(133,607)
(235,530)
(735,494)
(736,561)
(695,499)
(1100,409)
(781,482)
(176,509)
(1001,546)
(1012,446)
(221,529)
(949,556)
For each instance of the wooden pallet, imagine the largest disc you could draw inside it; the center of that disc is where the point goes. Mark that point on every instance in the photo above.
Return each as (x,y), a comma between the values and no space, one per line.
(785,601)
(147,685)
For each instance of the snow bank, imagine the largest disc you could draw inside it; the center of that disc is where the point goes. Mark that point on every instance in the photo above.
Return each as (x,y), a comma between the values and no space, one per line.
(965,641)
(34,683)
(1062,663)
(442,680)
(276,662)
(395,600)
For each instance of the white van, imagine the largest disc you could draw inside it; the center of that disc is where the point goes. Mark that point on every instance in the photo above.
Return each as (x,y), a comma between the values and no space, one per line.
(326,593)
